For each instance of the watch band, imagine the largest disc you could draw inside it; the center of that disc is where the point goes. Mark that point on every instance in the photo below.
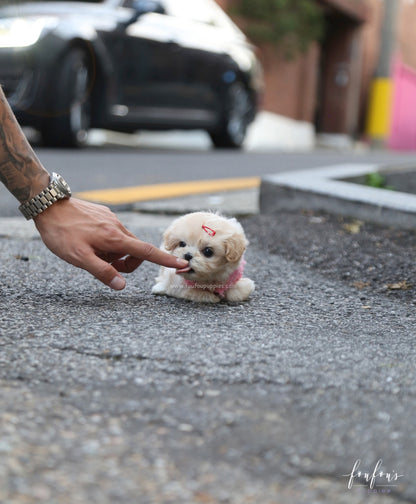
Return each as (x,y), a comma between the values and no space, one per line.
(57,189)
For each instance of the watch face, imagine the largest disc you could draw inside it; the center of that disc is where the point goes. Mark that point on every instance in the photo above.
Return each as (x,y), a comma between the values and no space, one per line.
(61,184)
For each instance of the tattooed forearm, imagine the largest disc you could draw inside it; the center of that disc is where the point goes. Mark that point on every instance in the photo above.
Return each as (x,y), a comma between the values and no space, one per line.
(20,170)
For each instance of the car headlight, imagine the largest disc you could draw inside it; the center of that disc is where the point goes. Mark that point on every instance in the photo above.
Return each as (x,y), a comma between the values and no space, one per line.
(19,32)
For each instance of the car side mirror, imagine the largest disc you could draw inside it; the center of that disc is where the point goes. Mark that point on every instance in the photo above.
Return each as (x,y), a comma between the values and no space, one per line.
(141,7)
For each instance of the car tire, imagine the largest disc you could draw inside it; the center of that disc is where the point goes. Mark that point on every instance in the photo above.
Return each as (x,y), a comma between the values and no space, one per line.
(71,107)
(237,107)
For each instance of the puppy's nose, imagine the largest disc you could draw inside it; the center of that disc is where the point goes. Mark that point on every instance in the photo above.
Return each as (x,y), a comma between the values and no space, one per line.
(188,256)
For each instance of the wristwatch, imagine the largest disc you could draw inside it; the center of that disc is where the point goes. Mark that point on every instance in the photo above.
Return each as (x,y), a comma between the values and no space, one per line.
(57,189)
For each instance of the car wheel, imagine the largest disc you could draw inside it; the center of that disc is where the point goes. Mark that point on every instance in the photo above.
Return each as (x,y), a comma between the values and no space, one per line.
(70,120)
(237,106)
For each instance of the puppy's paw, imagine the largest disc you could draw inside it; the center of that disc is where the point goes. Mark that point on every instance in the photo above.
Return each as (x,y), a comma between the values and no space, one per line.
(240,291)
(159,289)
(200,296)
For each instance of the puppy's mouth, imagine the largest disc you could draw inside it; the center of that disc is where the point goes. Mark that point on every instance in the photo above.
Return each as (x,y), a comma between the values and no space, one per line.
(187,269)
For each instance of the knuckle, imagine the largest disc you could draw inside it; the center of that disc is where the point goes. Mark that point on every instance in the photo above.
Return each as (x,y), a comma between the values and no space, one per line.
(105,209)
(148,250)
(111,233)
(76,255)
(105,273)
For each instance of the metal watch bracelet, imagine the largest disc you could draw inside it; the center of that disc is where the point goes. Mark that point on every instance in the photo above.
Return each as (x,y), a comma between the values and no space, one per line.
(57,189)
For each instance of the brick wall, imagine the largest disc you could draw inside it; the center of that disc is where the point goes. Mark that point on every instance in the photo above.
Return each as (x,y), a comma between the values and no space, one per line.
(292,87)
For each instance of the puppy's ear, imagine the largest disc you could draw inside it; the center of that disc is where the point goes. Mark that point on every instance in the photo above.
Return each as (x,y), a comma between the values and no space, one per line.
(235,246)
(170,241)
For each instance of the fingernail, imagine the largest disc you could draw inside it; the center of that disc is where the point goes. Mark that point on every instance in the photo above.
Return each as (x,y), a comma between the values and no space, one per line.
(182,262)
(118,283)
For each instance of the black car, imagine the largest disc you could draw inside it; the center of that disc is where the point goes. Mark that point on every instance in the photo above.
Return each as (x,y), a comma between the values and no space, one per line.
(126,65)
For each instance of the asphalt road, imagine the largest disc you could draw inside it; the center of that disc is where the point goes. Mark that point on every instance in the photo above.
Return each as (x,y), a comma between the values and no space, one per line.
(130,398)
(112,166)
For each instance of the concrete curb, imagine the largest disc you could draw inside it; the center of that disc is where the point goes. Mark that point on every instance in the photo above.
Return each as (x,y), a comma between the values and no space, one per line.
(269,131)
(326,189)
(272,131)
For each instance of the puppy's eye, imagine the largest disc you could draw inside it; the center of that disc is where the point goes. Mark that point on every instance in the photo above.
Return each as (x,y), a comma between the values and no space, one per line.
(208,252)
(182,244)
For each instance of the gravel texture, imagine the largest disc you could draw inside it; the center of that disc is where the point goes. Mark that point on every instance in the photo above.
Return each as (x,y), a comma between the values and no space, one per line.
(369,258)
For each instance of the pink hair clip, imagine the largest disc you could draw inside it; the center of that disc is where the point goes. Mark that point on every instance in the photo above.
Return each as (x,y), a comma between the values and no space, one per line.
(208,230)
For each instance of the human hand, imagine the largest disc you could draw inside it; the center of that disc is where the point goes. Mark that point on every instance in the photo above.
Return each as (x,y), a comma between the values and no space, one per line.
(91,237)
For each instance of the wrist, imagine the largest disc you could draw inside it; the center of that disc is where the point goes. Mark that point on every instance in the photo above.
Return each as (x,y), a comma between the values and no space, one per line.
(56,190)
(38,184)
(49,212)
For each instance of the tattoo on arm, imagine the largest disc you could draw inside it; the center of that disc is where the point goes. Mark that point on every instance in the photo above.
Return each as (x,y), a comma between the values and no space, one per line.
(20,170)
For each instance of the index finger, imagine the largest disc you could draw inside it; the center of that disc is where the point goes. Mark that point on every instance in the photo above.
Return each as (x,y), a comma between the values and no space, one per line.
(148,252)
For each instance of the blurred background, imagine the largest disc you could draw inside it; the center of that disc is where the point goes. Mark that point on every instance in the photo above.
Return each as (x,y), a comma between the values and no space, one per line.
(354,75)
(319,73)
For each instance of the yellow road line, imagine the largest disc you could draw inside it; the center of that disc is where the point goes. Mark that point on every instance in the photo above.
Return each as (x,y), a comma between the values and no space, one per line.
(125,195)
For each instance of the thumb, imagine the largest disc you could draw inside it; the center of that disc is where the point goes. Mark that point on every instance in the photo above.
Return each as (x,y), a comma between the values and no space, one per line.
(105,273)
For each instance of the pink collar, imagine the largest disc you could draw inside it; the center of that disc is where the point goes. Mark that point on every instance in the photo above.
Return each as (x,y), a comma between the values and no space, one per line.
(221,289)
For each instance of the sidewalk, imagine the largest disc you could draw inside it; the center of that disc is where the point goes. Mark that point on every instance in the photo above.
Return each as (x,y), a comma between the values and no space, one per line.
(268,132)
(130,398)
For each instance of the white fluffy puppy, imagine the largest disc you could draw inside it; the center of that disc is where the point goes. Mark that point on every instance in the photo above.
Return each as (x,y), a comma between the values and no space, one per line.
(214,246)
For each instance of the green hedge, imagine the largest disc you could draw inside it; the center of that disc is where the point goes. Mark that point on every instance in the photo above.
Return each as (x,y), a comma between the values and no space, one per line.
(291,24)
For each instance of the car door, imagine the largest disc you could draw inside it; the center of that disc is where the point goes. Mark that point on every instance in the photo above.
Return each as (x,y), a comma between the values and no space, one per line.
(150,67)
(168,69)
(204,37)
(168,72)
